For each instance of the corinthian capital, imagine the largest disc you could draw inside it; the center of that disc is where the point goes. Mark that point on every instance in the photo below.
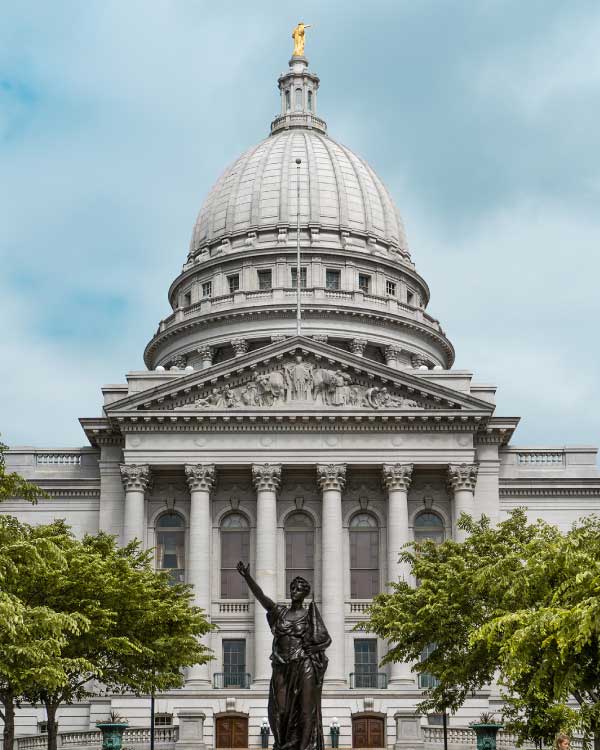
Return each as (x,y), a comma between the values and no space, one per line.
(463,476)
(266,476)
(135,477)
(200,476)
(240,346)
(397,476)
(331,476)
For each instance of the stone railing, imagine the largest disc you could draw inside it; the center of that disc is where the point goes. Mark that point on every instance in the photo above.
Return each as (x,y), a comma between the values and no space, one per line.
(165,737)
(541,458)
(358,606)
(58,459)
(464,737)
(234,608)
(343,297)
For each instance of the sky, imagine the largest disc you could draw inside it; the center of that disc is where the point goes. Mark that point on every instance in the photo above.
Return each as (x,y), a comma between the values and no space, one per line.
(116,117)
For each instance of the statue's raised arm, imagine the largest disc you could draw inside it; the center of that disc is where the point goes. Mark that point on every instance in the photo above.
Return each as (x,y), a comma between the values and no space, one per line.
(244,571)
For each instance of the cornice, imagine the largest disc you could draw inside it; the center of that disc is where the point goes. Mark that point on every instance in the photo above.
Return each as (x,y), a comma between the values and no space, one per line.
(288,310)
(166,421)
(553,491)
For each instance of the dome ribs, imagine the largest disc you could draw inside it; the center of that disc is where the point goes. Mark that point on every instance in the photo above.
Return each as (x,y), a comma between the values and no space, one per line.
(339,181)
(284,215)
(258,186)
(312,171)
(366,202)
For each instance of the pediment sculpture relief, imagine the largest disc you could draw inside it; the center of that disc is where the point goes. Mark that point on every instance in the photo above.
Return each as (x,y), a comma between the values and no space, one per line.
(303,384)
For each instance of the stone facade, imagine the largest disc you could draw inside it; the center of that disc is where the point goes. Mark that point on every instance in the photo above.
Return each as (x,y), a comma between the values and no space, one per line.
(359,416)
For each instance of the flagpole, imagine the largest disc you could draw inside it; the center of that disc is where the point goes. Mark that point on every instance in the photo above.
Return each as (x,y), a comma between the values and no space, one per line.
(298,267)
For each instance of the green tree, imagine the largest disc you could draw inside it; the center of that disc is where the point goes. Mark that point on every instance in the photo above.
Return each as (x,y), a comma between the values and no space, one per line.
(452,601)
(31,634)
(142,630)
(14,486)
(549,645)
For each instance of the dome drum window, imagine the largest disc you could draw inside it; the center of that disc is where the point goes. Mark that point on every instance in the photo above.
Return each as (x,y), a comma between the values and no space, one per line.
(333,279)
(390,288)
(233,282)
(303,278)
(207,289)
(265,278)
(364,283)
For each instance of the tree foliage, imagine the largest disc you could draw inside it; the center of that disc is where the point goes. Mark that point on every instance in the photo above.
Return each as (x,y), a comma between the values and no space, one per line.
(121,625)
(518,602)
(13,485)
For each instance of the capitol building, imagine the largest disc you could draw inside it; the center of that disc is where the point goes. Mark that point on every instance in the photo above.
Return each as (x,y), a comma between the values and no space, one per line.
(314,445)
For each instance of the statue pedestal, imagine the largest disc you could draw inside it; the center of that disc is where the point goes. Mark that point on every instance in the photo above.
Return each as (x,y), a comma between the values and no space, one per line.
(191,730)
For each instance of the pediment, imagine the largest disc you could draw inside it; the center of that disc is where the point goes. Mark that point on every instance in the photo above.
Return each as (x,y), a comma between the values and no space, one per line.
(303,376)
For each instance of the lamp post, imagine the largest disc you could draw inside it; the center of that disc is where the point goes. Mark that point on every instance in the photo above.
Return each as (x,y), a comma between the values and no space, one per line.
(264,734)
(334,731)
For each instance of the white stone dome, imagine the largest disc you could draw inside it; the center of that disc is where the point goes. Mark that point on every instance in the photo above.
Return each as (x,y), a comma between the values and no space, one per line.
(340,194)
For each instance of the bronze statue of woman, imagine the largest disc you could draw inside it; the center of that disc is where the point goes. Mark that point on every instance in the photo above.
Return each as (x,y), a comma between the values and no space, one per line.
(298,666)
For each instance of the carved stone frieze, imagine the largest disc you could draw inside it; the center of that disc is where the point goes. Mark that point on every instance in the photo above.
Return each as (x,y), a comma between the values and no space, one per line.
(180,361)
(463,476)
(135,477)
(303,383)
(358,346)
(266,476)
(392,352)
(331,476)
(397,476)
(200,476)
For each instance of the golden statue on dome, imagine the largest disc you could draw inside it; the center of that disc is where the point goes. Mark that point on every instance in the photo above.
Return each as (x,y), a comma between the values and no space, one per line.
(298,37)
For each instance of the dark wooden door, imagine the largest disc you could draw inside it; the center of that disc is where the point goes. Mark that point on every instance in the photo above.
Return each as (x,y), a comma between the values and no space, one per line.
(232,732)
(368,731)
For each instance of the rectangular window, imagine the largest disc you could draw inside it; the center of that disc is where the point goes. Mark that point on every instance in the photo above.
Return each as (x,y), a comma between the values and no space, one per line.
(390,288)
(364,282)
(187,299)
(302,278)
(265,279)
(427,680)
(332,278)
(207,289)
(234,283)
(234,663)
(43,727)
(163,720)
(410,297)
(365,663)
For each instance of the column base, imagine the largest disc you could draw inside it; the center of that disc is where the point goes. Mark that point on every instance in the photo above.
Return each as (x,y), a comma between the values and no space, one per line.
(197,684)
(335,682)
(262,683)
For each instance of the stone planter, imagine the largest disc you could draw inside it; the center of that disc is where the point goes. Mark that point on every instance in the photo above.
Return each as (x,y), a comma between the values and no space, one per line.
(486,735)
(112,734)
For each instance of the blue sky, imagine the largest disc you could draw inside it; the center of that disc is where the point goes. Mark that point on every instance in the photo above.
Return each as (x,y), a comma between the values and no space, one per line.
(481,117)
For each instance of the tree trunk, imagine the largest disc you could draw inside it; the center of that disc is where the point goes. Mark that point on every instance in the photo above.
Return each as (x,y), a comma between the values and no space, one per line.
(51,709)
(9,720)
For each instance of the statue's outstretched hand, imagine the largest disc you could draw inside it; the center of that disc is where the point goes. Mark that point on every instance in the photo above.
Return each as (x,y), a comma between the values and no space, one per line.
(243,570)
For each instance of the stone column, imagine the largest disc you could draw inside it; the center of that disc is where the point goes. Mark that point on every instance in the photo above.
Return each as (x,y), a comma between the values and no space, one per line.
(332,478)
(397,478)
(201,480)
(392,356)
(206,356)
(462,479)
(136,480)
(267,478)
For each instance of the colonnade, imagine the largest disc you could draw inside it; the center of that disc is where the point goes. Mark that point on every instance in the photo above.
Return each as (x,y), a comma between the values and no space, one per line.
(266,478)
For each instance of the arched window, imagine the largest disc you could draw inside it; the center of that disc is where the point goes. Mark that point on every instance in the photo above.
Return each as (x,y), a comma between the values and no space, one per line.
(235,546)
(310,101)
(429,525)
(170,546)
(364,556)
(299,549)
(298,99)
(288,101)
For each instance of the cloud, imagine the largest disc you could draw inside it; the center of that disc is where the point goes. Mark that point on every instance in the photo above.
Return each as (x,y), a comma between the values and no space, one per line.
(115,120)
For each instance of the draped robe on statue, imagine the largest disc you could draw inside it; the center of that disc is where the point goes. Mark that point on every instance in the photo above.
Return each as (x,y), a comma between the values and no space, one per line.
(297,679)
